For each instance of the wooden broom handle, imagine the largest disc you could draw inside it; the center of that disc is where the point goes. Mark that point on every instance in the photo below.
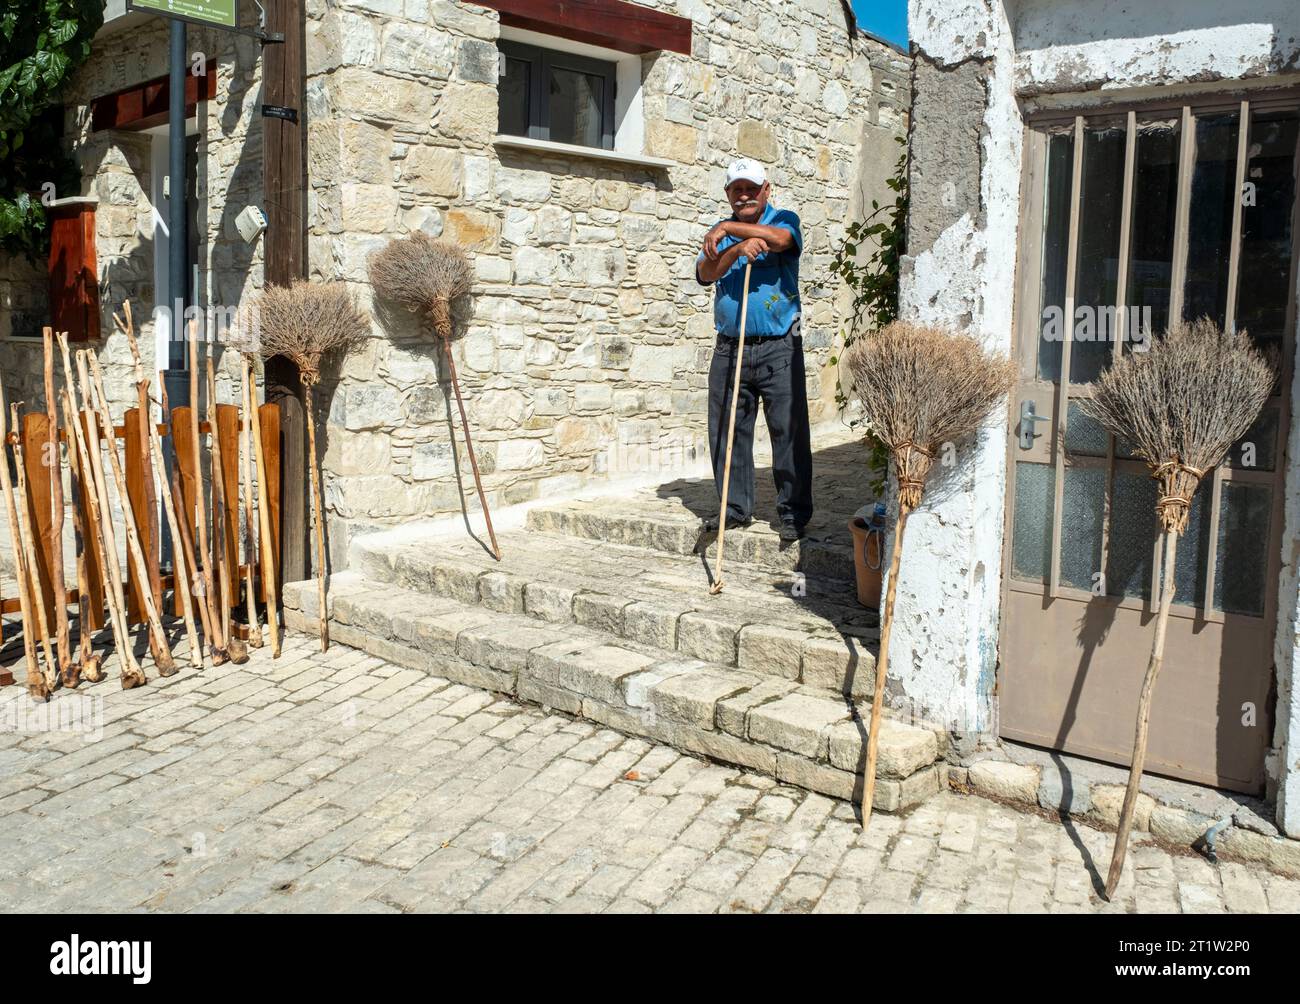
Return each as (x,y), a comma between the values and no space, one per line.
(731,429)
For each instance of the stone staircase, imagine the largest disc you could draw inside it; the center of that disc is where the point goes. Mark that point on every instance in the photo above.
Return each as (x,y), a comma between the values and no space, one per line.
(600,608)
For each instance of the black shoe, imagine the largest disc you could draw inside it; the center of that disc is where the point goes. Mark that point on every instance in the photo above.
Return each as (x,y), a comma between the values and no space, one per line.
(791,531)
(710,525)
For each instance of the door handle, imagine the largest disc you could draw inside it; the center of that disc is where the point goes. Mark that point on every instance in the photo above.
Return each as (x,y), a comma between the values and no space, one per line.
(1029,417)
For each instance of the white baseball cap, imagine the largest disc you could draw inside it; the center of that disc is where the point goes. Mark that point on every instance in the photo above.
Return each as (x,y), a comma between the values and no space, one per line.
(749,170)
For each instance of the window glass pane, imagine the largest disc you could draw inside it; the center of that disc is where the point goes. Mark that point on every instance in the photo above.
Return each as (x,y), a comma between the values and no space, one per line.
(1264,289)
(577,100)
(1133,531)
(1031,543)
(1242,564)
(1085,436)
(1056,238)
(512,98)
(1255,451)
(1082,507)
(1155,200)
(1209,231)
(1097,277)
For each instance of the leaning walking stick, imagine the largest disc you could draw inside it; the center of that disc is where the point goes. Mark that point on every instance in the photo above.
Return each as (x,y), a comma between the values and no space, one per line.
(36,685)
(51,459)
(731,431)
(305,322)
(27,530)
(180,581)
(270,574)
(132,674)
(235,647)
(246,477)
(919,388)
(162,653)
(87,661)
(426,275)
(216,639)
(1183,403)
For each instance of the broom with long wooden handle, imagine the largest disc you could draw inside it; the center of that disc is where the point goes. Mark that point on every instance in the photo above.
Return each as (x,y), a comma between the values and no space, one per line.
(36,685)
(716,587)
(235,647)
(70,670)
(162,653)
(89,664)
(132,674)
(1182,403)
(919,387)
(180,579)
(250,524)
(27,528)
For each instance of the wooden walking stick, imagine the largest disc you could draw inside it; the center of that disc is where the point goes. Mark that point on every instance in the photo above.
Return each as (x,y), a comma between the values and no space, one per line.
(306,322)
(51,460)
(919,388)
(426,275)
(731,431)
(162,653)
(180,580)
(26,529)
(216,639)
(132,674)
(88,663)
(235,647)
(246,478)
(270,580)
(1182,403)
(36,684)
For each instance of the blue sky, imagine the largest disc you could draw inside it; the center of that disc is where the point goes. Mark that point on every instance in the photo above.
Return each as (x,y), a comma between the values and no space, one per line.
(886,18)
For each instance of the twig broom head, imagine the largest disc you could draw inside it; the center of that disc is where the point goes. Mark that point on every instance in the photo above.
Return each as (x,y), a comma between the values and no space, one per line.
(921,387)
(1183,403)
(424,275)
(307,321)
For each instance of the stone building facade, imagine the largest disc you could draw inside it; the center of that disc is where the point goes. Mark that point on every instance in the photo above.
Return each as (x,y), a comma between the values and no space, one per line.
(993,82)
(585,344)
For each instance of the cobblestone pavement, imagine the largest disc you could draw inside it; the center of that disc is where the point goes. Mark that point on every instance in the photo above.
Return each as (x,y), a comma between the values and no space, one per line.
(342,783)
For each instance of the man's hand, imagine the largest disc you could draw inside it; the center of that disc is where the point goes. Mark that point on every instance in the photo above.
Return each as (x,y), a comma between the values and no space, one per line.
(751,248)
(715,234)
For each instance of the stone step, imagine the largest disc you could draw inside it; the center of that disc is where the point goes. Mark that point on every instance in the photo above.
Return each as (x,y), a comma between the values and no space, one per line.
(803,628)
(773,726)
(826,550)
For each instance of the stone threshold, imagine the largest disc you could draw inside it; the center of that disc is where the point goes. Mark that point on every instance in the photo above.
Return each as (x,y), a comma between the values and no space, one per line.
(765,724)
(1177,813)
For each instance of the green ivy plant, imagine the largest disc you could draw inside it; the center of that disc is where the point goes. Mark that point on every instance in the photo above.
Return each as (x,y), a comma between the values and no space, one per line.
(874,283)
(42,43)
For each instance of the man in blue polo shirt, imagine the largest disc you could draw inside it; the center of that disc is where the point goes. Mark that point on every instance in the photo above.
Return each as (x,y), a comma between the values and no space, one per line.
(772,370)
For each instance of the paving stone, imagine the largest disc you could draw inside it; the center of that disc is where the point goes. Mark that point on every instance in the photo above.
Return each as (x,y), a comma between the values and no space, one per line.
(1011,781)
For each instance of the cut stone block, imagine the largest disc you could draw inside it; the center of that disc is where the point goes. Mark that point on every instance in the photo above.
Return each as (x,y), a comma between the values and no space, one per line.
(797,723)
(1064,793)
(637,690)
(772,651)
(437,633)
(546,663)
(503,643)
(1108,799)
(732,711)
(600,611)
(548,696)
(843,664)
(598,672)
(707,637)
(456,580)
(1011,781)
(902,751)
(692,698)
(548,601)
(502,591)
(651,624)
(831,781)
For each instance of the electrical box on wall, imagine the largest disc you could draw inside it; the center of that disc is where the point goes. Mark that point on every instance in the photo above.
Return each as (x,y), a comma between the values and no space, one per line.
(251,223)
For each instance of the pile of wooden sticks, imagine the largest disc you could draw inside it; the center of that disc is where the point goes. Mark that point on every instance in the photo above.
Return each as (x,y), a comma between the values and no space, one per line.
(206,575)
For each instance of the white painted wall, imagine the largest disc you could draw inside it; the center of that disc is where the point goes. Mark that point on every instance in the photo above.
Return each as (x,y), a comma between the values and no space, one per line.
(1064,52)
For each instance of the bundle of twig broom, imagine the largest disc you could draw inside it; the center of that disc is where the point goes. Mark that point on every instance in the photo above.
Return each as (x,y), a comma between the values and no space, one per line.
(1182,404)
(920,388)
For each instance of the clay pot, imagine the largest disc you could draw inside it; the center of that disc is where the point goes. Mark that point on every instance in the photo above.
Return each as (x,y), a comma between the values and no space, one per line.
(867,544)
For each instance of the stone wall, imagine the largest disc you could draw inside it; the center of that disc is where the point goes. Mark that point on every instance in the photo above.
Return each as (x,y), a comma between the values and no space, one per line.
(584,352)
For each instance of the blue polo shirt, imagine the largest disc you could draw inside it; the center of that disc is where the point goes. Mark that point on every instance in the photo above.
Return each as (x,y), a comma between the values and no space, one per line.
(773,284)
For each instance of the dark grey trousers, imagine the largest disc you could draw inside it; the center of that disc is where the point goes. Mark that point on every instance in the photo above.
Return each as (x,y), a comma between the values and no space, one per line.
(772,372)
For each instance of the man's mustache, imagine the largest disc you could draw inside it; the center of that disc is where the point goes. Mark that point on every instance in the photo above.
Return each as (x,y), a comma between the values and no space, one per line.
(746,204)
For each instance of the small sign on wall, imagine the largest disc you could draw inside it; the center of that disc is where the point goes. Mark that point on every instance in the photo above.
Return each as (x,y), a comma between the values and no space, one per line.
(213,13)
